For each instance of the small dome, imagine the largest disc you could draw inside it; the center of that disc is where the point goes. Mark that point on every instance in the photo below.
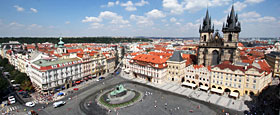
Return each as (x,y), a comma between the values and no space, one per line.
(60,43)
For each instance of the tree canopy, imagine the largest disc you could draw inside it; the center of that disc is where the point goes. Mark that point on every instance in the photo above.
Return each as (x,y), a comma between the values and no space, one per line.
(30,40)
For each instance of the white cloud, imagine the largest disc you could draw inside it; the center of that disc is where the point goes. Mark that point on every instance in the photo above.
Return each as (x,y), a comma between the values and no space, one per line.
(191,5)
(110,4)
(173,19)
(67,22)
(91,19)
(141,20)
(117,2)
(155,13)
(256,17)
(147,19)
(191,25)
(96,25)
(20,9)
(34,26)
(114,18)
(267,19)
(129,6)
(238,6)
(254,1)
(34,10)
(141,3)
(173,6)
(15,24)
(252,14)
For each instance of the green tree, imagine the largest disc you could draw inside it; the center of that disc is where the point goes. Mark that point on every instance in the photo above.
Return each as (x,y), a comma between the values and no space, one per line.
(3,83)
(20,78)
(26,85)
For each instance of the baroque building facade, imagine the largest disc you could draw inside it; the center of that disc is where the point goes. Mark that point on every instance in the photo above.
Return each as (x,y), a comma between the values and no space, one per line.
(213,49)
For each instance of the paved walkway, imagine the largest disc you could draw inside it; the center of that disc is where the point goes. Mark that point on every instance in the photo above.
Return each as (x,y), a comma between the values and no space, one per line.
(223,100)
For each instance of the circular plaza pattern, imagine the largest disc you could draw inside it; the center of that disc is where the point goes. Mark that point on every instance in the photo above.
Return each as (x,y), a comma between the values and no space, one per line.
(157,102)
(118,97)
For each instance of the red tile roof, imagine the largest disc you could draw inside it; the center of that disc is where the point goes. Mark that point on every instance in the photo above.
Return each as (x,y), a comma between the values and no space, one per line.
(240,45)
(264,66)
(227,64)
(163,54)
(75,50)
(150,58)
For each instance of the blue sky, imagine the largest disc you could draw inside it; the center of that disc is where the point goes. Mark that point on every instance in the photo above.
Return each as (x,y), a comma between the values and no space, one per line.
(157,18)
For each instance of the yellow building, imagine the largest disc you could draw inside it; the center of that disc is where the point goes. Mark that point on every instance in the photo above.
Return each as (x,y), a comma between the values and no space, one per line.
(176,68)
(238,80)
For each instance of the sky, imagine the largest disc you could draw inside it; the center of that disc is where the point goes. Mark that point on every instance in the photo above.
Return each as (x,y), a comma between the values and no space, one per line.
(130,18)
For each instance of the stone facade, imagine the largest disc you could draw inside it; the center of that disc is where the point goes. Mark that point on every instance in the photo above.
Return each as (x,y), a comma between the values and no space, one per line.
(176,67)
(213,49)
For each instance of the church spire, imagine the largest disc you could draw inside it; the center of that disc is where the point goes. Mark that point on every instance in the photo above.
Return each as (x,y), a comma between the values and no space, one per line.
(206,27)
(232,22)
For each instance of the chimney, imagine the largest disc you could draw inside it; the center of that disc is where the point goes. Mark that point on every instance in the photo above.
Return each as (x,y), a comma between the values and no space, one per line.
(160,57)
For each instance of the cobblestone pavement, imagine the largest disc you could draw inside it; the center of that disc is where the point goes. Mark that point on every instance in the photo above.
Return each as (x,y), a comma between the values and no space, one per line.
(224,100)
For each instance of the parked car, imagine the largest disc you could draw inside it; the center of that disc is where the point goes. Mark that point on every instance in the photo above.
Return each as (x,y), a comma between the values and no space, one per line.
(12,99)
(58,104)
(101,78)
(30,104)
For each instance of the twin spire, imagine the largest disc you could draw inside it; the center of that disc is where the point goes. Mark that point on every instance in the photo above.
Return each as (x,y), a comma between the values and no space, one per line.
(232,24)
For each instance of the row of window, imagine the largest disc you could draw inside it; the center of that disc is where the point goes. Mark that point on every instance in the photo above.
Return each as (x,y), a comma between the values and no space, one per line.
(192,77)
(254,80)
(227,84)
(173,67)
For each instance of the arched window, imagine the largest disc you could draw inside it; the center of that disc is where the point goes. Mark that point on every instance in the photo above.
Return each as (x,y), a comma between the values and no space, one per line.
(229,37)
(204,37)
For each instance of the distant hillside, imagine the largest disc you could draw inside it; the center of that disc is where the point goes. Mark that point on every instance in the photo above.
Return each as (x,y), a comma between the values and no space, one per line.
(73,40)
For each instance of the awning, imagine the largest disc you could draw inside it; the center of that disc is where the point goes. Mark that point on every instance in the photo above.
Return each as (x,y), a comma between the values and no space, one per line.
(233,94)
(126,70)
(189,84)
(217,90)
(203,87)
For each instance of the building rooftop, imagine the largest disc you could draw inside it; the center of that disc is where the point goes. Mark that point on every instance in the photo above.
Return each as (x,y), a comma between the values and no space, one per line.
(44,62)
(176,57)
